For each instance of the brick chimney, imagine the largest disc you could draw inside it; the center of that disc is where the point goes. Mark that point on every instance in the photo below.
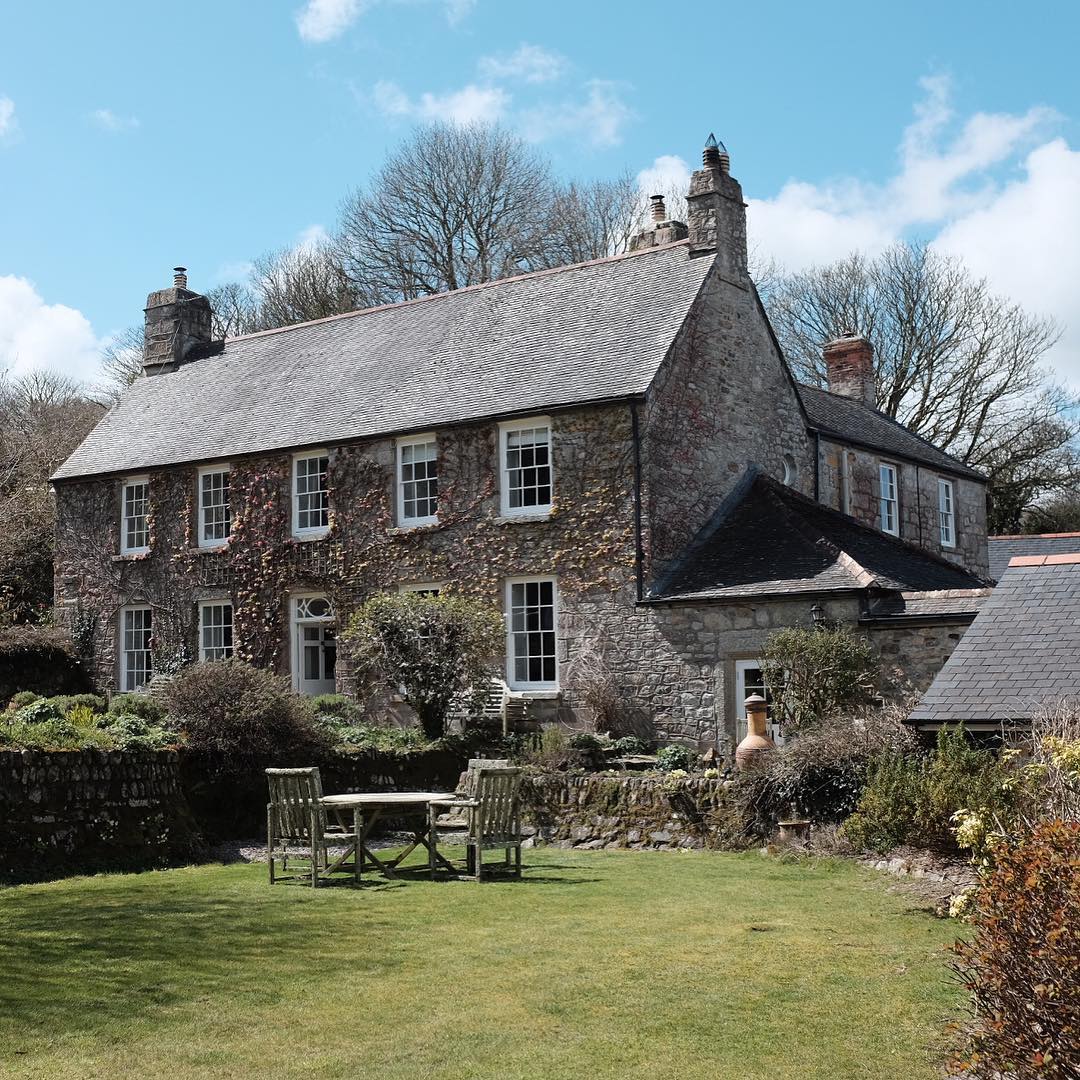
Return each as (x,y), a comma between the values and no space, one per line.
(177,320)
(716,213)
(849,365)
(661,229)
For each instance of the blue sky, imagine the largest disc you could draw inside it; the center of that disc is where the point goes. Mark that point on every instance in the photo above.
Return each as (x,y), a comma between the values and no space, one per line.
(137,136)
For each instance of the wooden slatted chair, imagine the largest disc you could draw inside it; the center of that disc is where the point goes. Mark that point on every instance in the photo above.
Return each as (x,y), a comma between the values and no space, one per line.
(491,810)
(297,828)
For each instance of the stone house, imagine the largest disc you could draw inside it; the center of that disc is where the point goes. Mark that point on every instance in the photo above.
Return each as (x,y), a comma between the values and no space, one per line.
(615,452)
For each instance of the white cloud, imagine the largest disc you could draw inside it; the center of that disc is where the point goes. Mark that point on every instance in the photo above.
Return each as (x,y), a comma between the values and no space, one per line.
(323,20)
(667,174)
(994,189)
(108,121)
(598,119)
(314,236)
(8,124)
(470,104)
(529,63)
(456,10)
(35,335)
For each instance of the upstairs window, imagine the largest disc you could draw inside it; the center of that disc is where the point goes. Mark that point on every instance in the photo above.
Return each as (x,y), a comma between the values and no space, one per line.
(136,664)
(215,514)
(527,481)
(888,500)
(946,515)
(135,516)
(215,631)
(418,481)
(532,660)
(311,494)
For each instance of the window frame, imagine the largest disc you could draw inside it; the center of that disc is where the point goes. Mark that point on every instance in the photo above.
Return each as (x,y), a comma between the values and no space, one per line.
(945,485)
(399,481)
(122,682)
(894,501)
(203,605)
(209,470)
(543,686)
(129,482)
(429,588)
(309,532)
(506,429)
(772,726)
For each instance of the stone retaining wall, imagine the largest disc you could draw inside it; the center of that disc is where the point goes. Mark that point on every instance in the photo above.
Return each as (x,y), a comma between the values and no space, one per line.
(91,810)
(632,812)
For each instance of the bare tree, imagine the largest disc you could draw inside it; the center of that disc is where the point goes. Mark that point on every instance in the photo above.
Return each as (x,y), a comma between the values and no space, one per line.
(43,417)
(595,219)
(297,285)
(452,206)
(955,363)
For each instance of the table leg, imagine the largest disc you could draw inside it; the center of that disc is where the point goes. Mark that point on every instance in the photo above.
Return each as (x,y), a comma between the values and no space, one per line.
(385,868)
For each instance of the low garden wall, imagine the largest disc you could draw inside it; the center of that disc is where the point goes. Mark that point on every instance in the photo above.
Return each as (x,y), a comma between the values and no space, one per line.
(592,811)
(89,810)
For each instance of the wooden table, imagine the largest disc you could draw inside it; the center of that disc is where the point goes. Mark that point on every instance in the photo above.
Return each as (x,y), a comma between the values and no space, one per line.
(370,805)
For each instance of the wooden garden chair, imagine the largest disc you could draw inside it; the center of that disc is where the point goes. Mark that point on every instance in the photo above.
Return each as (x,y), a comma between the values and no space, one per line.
(490,808)
(297,829)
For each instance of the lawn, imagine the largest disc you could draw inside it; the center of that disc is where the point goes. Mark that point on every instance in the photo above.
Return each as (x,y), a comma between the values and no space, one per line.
(599,964)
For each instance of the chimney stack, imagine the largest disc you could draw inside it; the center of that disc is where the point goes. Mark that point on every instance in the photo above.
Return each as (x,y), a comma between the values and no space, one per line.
(849,365)
(661,229)
(716,213)
(659,211)
(177,320)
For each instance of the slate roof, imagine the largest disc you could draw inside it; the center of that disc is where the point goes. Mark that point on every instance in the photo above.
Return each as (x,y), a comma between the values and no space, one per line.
(847,419)
(583,333)
(920,606)
(1004,548)
(1023,649)
(770,540)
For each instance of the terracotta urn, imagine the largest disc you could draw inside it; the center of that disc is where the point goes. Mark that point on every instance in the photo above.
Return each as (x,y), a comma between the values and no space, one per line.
(757,744)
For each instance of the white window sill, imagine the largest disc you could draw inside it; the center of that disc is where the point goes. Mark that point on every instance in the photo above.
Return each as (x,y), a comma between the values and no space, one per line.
(315,534)
(429,525)
(212,549)
(549,694)
(521,519)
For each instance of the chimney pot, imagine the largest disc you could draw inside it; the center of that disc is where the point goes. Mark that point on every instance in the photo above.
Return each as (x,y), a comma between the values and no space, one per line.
(849,366)
(179,277)
(659,211)
(716,213)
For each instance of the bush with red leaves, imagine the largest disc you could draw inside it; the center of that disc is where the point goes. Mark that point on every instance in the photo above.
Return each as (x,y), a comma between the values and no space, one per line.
(1022,964)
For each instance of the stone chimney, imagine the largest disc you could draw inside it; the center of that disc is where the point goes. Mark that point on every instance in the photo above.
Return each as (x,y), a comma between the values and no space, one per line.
(716,213)
(849,365)
(661,230)
(177,320)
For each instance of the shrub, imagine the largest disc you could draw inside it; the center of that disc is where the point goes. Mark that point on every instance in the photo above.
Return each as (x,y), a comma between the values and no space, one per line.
(436,649)
(41,659)
(629,745)
(23,697)
(1022,964)
(55,724)
(586,742)
(239,716)
(591,674)
(344,733)
(553,752)
(133,732)
(141,705)
(339,706)
(676,757)
(96,703)
(816,673)
(822,772)
(912,798)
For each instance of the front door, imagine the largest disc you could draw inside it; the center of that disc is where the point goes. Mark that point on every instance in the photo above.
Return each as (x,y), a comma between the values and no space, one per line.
(314,646)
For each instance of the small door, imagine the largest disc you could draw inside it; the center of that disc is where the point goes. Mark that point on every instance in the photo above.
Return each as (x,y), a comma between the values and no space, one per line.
(316,658)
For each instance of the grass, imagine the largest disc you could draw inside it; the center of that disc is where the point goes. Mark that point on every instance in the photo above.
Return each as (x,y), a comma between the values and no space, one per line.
(599,964)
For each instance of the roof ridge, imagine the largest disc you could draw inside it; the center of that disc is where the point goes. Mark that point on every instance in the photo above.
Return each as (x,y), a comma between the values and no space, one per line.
(549,271)
(1036,536)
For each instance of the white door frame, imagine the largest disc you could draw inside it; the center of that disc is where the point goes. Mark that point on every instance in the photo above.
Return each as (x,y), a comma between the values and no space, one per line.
(296,625)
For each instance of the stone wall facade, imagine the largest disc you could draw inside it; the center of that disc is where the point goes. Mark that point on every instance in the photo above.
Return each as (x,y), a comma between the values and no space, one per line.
(65,811)
(632,812)
(849,481)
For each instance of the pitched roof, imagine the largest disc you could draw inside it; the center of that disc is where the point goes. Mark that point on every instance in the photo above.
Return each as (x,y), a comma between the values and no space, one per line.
(1004,548)
(845,418)
(1022,650)
(770,539)
(583,333)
